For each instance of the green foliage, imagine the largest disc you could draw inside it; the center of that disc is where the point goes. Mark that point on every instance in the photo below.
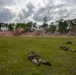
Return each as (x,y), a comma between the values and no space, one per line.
(52,27)
(29,26)
(44,26)
(73,24)
(34,26)
(62,26)
(45,20)
(20,25)
(1,24)
(10,26)
(14,53)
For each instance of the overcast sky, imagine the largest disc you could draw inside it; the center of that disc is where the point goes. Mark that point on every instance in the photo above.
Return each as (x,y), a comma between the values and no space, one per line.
(36,10)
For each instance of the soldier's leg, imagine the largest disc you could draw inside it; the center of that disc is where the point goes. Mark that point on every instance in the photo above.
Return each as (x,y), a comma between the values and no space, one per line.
(44,62)
(35,61)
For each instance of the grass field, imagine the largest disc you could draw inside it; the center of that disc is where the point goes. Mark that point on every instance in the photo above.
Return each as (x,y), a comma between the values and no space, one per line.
(14,53)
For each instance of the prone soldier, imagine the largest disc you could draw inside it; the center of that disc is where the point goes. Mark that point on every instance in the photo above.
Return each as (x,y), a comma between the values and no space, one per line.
(36,59)
(68,42)
(67,49)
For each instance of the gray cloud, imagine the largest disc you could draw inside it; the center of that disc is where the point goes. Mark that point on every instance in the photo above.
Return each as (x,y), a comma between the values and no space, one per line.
(25,14)
(64,10)
(71,1)
(39,17)
(74,1)
(41,13)
(6,2)
(46,11)
(64,13)
(5,15)
(30,7)
(61,5)
(51,10)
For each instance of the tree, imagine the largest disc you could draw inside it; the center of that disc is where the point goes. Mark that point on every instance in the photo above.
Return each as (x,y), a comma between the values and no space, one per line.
(52,27)
(20,25)
(29,26)
(73,24)
(45,20)
(44,26)
(65,25)
(62,24)
(11,26)
(0,26)
(34,26)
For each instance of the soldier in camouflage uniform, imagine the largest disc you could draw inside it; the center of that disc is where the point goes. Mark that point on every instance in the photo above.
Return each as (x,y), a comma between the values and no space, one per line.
(36,59)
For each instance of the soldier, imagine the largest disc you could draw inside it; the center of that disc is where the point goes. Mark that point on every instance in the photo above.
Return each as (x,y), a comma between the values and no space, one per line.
(33,55)
(67,49)
(69,42)
(44,62)
(72,50)
(36,59)
(64,48)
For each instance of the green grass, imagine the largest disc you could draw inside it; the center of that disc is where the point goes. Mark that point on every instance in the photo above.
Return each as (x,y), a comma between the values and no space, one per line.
(14,53)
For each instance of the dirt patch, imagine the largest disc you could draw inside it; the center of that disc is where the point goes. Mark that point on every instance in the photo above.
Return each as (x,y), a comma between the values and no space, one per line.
(6,33)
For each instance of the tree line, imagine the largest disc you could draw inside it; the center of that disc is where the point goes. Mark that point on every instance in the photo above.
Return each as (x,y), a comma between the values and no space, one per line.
(62,26)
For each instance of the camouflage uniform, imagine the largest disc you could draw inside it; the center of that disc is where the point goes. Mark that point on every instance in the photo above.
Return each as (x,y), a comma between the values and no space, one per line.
(36,59)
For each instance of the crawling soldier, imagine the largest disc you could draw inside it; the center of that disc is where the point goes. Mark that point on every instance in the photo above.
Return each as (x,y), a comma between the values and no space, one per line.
(36,59)
(68,42)
(67,49)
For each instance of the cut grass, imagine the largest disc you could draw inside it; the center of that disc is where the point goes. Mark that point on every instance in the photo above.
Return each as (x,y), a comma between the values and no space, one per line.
(14,53)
